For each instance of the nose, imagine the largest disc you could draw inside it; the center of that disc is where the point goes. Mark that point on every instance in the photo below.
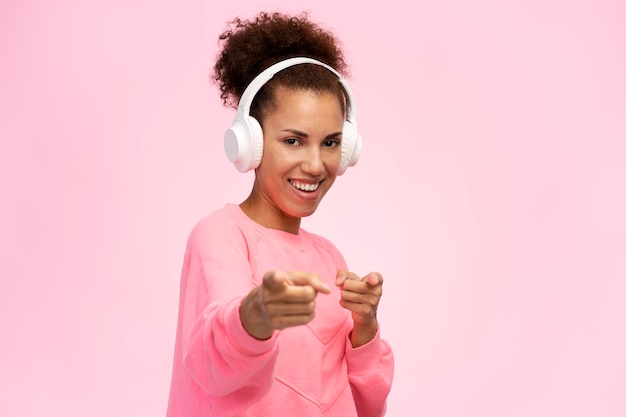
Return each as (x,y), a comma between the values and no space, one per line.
(313,163)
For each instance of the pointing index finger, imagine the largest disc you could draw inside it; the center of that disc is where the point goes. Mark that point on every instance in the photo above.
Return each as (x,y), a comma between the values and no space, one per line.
(305,278)
(277,279)
(373,278)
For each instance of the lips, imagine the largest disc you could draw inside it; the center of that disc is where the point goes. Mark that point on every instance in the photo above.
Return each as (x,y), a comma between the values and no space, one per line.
(306,187)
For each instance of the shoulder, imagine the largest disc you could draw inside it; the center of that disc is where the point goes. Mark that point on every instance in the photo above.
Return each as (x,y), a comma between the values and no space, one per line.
(222,218)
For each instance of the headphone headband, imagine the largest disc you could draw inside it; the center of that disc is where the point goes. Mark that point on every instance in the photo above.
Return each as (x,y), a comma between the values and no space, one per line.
(263,78)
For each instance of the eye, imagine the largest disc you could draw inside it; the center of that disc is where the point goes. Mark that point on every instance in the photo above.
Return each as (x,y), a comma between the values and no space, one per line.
(291,141)
(332,143)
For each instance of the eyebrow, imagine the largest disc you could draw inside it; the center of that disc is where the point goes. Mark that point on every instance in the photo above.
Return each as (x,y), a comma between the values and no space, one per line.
(306,135)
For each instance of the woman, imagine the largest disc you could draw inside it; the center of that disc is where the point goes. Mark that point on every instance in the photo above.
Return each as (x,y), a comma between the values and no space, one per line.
(271,321)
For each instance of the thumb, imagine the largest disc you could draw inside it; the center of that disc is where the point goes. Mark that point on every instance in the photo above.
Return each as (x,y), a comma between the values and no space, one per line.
(275,279)
(341,277)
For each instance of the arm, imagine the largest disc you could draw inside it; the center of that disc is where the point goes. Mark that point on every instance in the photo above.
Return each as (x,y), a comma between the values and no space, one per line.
(370,359)
(370,372)
(228,323)
(217,352)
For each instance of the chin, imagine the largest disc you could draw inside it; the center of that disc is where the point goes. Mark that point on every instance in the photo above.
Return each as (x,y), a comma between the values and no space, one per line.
(309,213)
(303,212)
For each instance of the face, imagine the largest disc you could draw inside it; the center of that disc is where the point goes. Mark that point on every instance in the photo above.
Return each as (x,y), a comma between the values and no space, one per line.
(301,153)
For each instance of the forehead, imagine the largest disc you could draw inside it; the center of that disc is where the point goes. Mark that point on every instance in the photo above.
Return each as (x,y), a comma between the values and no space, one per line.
(268,97)
(293,104)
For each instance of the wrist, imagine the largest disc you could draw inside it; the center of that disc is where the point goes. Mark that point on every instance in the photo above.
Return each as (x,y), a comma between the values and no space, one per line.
(253,318)
(363,333)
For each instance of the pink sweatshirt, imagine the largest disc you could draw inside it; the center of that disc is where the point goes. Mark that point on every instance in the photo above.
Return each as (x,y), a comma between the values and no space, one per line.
(313,370)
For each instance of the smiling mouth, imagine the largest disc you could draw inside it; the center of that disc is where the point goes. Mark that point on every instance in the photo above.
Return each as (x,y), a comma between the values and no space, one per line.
(304,187)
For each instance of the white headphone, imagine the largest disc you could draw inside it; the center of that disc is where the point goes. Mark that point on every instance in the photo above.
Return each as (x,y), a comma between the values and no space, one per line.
(243,141)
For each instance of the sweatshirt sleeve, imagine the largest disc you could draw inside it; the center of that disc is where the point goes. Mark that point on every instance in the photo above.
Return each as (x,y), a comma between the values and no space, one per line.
(218,353)
(370,372)
(370,367)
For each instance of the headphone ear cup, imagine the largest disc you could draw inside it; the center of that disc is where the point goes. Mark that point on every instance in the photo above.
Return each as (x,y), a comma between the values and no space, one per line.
(350,147)
(256,143)
(243,143)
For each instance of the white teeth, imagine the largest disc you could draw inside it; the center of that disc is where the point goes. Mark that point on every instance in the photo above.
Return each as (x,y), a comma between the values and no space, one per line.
(305,187)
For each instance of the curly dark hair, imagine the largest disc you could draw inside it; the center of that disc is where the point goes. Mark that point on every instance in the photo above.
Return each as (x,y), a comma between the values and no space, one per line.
(250,46)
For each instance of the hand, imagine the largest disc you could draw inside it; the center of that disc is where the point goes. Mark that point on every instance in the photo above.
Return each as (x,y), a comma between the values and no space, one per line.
(284,299)
(361,296)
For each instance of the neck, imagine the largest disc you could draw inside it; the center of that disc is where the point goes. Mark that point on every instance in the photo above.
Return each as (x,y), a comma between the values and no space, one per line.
(268,216)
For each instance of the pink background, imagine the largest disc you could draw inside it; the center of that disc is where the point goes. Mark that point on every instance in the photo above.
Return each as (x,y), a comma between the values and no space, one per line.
(491,194)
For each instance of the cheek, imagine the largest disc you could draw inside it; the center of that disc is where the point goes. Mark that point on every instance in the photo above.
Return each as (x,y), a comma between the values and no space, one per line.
(272,160)
(332,163)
